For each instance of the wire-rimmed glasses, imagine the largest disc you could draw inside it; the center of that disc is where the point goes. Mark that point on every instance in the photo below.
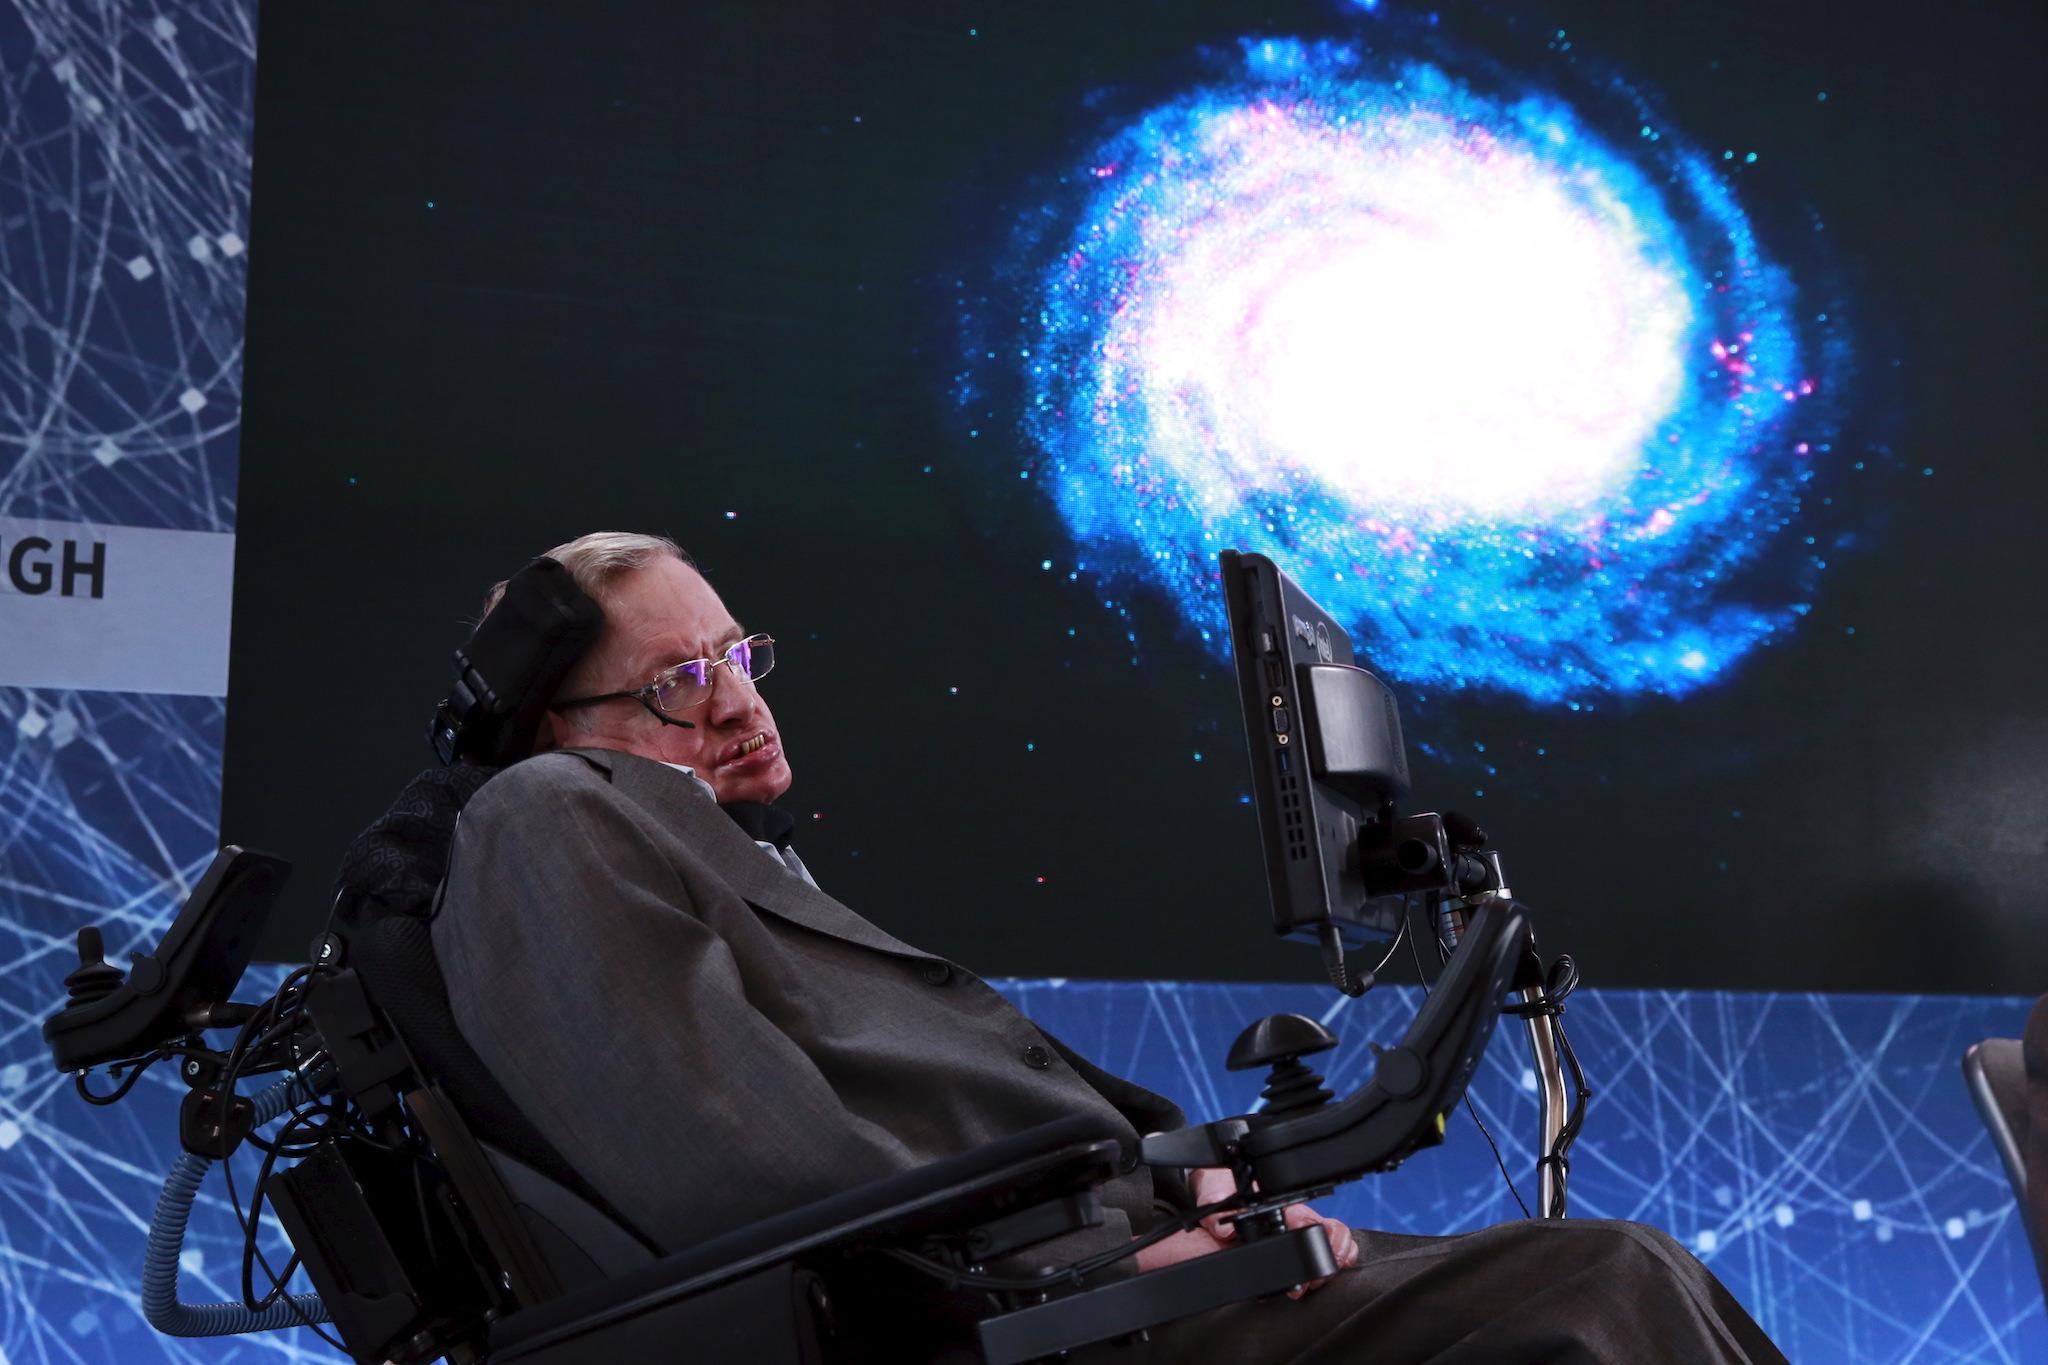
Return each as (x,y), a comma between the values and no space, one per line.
(687,685)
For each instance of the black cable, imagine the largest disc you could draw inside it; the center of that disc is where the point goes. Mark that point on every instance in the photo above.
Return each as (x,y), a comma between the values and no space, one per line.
(336,1118)
(1333,958)
(1568,1132)
(1563,980)
(1399,935)
(140,1065)
(275,1018)
(276,1008)
(284,1013)
(255,1221)
(1560,980)
(1498,1159)
(1332,944)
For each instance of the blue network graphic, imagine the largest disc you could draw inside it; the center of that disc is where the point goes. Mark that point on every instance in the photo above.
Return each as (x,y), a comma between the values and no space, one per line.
(1529,404)
(124,218)
(1818,1152)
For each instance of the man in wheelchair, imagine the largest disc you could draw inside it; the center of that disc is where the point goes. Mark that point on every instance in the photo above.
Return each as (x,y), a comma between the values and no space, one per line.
(588,1067)
(726,1041)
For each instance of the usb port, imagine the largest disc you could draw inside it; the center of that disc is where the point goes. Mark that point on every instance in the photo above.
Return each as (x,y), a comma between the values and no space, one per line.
(1284,761)
(1275,675)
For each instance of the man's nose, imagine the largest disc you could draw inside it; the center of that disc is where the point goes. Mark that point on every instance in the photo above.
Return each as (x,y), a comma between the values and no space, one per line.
(732,696)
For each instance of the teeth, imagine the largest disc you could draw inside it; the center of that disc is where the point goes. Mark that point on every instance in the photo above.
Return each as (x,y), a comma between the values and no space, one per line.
(753,744)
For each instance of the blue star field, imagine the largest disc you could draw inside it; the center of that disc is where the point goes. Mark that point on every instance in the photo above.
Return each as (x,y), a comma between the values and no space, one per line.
(1818,1152)
(1519,393)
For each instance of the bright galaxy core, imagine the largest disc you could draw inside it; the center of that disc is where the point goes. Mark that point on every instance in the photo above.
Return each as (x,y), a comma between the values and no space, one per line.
(1516,400)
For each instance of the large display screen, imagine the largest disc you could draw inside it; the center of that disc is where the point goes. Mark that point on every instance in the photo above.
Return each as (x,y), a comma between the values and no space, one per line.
(1652,391)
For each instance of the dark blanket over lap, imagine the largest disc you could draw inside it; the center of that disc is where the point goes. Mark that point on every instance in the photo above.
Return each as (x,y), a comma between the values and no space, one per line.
(1539,1292)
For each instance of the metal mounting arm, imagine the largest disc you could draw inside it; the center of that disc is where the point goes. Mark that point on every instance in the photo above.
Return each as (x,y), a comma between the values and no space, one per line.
(1404,1105)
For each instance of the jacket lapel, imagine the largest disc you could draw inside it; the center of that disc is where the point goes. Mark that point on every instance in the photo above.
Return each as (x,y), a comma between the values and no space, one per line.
(695,818)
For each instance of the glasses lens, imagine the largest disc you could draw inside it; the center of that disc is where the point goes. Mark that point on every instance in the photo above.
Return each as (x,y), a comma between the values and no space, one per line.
(753,657)
(688,685)
(683,686)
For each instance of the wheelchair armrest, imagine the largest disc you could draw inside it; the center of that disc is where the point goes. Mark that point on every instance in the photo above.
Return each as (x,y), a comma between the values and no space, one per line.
(1040,1164)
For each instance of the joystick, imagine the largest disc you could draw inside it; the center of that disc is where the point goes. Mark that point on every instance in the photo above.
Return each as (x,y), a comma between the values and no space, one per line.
(1280,1041)
(95,978)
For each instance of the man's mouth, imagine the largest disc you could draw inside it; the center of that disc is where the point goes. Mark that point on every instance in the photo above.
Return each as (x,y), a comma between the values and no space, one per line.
(746,748)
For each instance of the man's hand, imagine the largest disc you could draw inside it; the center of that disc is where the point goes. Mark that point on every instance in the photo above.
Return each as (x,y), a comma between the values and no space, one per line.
(1182,1246)
(1213,1183)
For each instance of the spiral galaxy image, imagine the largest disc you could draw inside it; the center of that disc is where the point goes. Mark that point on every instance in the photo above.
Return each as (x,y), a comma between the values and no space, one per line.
(1526,400)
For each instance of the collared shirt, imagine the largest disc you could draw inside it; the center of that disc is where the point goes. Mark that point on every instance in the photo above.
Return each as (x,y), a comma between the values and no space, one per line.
(785,856)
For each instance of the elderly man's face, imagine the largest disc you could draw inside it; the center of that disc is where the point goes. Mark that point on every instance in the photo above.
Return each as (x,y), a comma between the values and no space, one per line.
(667,614)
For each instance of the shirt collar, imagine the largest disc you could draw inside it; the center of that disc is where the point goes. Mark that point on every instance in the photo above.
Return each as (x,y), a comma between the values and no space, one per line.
(786,856)
(691,773)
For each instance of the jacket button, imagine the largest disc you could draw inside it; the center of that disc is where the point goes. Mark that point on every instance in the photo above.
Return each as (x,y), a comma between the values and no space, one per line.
(938,973)
(1038,1057)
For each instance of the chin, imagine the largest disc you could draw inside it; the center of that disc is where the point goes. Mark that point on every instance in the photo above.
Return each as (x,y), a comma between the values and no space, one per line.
(763,786)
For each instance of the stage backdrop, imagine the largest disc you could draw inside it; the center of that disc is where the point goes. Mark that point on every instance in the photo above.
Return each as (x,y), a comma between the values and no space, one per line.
(1816,1150)
(1646,394)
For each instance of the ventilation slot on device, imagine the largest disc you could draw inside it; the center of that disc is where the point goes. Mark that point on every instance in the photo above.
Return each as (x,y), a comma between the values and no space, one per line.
(1291,820)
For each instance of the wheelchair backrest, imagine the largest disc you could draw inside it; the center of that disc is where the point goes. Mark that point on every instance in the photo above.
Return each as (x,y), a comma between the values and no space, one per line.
(384,899)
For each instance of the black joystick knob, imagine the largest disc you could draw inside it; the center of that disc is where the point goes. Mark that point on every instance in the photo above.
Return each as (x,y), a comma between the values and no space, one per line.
(1278,1041)
(1278,1037)
(94,979)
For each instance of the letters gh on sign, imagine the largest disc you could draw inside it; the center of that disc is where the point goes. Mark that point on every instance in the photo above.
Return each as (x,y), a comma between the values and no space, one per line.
(114,608)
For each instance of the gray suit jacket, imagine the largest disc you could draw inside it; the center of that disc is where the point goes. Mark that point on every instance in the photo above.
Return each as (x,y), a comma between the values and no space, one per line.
(707,1039)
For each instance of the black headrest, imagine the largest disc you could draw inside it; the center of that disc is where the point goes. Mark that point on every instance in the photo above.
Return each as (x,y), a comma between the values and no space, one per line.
(508,669)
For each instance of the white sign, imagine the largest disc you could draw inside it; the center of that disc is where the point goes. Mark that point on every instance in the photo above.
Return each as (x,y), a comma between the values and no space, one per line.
(114,608)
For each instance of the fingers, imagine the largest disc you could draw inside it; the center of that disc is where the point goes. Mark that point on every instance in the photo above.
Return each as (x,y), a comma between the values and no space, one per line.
(1182,1246)
(1208,1185)
(1217,1228)
(1343,1243)
(1303,1290)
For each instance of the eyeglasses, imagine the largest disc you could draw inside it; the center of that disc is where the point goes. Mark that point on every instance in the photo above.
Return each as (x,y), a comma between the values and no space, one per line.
(686,686)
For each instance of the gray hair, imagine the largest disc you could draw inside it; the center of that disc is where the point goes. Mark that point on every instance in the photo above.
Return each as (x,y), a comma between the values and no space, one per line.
(596,561)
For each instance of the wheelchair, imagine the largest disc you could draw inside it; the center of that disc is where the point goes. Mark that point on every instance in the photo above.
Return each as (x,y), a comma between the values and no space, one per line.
(434,1220)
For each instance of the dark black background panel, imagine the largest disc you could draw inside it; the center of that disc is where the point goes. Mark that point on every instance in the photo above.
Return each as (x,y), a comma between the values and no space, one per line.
(519,272)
